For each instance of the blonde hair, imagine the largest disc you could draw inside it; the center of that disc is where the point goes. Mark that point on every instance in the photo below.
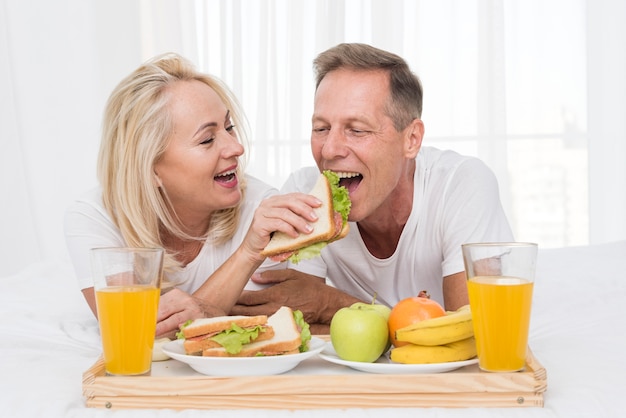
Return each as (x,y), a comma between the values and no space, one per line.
(136,129)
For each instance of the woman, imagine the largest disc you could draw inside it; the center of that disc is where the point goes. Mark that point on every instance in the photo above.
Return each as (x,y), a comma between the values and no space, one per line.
(170,176)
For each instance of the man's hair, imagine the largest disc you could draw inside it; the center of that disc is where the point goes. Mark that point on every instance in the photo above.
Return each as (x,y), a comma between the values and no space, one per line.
(405,101)
(136,130)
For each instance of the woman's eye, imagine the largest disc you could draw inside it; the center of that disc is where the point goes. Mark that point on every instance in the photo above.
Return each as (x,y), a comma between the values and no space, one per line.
(230,128)
(207,141)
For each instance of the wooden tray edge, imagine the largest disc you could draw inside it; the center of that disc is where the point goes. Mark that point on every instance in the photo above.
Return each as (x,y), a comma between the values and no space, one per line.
(294,402)
(99,392)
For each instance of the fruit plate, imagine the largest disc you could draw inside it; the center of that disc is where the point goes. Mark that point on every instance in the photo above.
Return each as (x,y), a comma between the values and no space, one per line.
(385,366)
(242,366)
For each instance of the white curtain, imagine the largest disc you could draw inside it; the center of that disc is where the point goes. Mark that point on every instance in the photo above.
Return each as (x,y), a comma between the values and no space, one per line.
(535,88)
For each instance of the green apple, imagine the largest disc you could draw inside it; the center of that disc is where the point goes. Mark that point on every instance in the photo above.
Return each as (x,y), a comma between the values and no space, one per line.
(384,310)
(359,333)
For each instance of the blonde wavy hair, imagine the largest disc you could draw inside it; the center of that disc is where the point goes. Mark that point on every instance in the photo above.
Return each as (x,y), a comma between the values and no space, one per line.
(136,129)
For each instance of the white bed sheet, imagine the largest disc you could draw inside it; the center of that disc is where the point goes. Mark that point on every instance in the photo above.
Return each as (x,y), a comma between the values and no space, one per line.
(578,332)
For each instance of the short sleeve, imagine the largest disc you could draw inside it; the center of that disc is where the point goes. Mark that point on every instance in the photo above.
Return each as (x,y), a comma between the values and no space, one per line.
(472,213)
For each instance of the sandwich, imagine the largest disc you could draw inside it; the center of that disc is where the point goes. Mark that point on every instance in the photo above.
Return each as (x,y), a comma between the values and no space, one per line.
(331,225)
(284,332)
(231,332)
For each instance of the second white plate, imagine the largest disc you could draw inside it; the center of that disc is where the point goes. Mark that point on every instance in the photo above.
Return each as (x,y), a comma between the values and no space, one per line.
(385,366)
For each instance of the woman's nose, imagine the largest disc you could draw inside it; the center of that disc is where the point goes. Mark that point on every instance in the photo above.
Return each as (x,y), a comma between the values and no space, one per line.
(231,147)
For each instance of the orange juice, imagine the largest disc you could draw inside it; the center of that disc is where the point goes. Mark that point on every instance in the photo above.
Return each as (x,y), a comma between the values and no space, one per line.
(127,316)
(501,316)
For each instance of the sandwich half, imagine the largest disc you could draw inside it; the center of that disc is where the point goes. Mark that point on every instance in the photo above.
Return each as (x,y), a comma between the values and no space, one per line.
(228,332)
(331,225)
(291,336)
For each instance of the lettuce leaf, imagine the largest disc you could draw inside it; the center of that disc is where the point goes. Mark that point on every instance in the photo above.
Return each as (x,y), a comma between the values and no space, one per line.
(307,253)
(341,197)
(179,334)
(235,337)
(305,331)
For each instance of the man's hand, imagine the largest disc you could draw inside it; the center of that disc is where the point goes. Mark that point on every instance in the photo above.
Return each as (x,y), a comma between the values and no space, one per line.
(309,294)
(177,307)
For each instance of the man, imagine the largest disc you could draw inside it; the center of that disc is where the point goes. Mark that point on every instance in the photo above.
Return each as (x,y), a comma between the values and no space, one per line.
(412,206)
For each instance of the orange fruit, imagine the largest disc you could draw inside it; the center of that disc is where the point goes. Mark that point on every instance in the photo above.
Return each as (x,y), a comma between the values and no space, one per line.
(409,311)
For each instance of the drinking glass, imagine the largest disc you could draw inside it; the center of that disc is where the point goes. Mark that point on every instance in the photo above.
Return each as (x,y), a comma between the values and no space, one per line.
(500,280)
(127,287)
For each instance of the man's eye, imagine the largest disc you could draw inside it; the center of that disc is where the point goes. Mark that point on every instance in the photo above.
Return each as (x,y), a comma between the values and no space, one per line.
(358,132)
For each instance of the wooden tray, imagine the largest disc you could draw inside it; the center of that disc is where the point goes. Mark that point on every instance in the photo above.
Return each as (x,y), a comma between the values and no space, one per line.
(314,384)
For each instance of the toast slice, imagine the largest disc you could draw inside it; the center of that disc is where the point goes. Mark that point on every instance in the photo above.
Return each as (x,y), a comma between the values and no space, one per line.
(204,326)
(198,334)
(324,229)
(286,339)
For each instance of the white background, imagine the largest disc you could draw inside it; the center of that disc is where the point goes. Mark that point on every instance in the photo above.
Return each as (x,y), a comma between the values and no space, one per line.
(535,88)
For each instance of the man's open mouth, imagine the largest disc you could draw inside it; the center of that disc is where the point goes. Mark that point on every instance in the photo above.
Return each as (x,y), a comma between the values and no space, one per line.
(349,180)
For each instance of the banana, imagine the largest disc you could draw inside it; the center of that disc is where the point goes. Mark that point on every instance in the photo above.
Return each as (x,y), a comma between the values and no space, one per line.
(453,326)
(423,354)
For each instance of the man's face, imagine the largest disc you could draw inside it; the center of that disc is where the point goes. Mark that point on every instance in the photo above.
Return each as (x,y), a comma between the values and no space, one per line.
(353,136)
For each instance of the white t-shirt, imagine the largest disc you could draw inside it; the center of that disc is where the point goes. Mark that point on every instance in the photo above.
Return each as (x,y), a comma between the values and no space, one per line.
(88,225)
(456,200)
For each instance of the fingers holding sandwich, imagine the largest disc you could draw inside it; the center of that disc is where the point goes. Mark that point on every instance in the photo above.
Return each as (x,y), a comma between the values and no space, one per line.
(290,214)
(331,224)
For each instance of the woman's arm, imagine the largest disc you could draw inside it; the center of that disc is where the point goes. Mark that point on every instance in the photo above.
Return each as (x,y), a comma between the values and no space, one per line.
(291,214)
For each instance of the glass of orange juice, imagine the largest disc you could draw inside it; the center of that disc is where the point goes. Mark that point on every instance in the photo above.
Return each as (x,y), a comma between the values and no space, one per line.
(500,280)
(127,286)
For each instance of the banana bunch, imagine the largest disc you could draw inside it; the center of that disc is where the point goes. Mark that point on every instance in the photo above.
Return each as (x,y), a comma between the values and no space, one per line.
(453,326)
(437,340)
(425,354)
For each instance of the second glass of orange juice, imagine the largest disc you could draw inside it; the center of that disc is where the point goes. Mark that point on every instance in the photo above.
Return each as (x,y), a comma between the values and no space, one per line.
(500,279)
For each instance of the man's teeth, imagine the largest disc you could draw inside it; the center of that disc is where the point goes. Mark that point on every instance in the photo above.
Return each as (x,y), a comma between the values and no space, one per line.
(347,175)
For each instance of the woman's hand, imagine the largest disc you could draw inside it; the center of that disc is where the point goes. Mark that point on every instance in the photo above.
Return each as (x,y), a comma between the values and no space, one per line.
(177,307)
(289,213)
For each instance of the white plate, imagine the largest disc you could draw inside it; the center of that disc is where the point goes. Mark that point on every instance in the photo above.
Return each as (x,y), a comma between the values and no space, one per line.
(385,366)
(242,366)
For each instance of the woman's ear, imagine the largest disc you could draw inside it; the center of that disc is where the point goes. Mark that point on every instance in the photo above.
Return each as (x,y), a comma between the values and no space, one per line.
(413,140)
(157,181)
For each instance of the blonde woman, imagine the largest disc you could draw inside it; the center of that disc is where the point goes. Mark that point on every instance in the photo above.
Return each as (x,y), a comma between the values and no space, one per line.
(171,176)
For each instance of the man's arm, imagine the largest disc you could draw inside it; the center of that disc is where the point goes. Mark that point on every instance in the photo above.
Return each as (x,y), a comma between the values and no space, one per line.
(310,294)
(455,291)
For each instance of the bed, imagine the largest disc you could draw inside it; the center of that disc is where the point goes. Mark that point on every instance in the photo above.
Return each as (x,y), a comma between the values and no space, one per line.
(578,333)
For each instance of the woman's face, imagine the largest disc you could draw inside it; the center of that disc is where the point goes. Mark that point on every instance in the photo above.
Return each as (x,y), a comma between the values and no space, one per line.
(198,167)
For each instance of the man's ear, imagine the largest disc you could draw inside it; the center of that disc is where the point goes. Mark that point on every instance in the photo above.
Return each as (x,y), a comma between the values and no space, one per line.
(413,139)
